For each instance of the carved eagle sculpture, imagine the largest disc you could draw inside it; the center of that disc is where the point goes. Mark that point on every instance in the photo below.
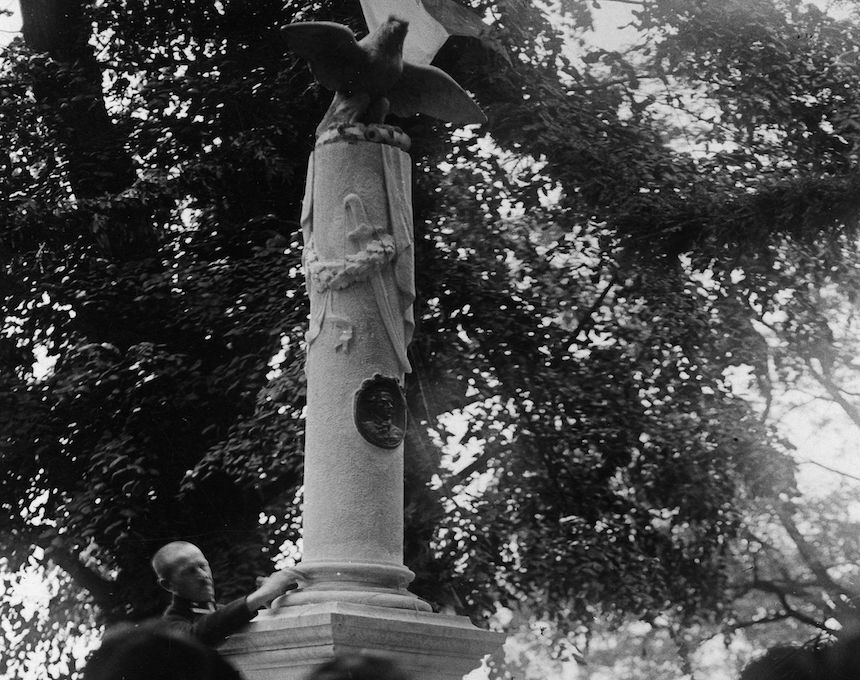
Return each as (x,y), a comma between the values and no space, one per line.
(369,77)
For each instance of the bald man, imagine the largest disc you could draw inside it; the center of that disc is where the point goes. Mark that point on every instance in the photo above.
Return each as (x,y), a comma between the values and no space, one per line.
(184,571)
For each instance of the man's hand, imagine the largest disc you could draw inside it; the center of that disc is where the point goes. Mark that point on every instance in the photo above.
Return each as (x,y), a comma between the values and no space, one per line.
(274,586)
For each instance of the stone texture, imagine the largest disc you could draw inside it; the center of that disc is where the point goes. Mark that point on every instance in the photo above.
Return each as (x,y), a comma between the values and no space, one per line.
(287,644)
(357,227)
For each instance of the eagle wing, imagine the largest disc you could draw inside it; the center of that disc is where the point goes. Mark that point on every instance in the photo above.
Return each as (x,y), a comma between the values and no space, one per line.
(330,50)
(431,91)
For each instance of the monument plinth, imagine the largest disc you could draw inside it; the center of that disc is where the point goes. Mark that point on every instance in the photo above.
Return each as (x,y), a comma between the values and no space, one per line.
(359,266)
(289,643)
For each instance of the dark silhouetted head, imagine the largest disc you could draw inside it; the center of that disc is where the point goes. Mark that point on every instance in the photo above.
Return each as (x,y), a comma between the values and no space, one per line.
(358,667)
(785,663)
(149,651)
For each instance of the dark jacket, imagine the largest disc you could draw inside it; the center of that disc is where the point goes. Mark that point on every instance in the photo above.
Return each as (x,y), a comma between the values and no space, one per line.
(211,627)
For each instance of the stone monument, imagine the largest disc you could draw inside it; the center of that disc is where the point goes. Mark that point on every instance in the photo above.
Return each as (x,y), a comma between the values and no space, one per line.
(358,260)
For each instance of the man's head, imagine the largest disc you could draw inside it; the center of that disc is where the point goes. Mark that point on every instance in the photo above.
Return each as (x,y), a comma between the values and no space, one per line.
(785,663)
(359,667)
(149,651)
(183,570)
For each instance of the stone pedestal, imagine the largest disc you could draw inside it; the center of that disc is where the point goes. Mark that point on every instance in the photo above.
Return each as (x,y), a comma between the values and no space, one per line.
(289,643)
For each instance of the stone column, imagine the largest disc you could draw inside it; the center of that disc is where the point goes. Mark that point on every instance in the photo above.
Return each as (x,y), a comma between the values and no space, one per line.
(358,257)
(357,225)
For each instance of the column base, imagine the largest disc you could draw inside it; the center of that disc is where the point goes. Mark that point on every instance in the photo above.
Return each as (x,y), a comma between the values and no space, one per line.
(287,644)
(380,585)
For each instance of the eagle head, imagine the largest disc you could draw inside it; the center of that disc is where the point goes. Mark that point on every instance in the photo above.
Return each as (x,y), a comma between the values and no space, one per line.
(391,35)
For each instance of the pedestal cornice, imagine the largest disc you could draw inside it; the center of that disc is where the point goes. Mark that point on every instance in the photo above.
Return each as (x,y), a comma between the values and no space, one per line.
(288,643)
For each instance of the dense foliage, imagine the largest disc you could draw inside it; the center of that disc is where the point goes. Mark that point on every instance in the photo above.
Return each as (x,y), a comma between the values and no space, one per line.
(592,265)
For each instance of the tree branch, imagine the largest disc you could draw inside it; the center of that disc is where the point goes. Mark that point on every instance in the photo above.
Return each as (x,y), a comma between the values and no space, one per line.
(819,570)
(834,392)
(788,611)
(800,616)
(99,588)
(833,470)
(588,319)
(93,147)
(477,465)
(771,618)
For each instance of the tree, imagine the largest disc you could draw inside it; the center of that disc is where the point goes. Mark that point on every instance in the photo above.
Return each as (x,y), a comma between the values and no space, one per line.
(166,405)
(586,339)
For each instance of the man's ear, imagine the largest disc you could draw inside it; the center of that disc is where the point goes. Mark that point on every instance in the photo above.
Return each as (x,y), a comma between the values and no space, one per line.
(164,583)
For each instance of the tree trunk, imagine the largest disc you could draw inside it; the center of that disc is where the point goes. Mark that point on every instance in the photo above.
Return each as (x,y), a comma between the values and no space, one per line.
(97,163)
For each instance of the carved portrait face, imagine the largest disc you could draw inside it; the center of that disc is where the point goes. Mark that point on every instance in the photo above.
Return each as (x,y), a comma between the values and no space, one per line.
(383,404)
(380,412)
